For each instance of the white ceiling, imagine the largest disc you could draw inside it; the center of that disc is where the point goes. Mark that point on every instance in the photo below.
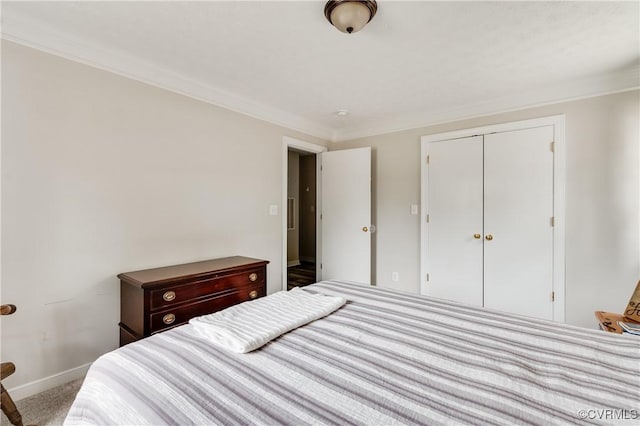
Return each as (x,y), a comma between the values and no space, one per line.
(416,63)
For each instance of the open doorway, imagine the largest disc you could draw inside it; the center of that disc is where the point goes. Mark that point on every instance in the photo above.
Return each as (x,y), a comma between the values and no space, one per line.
(301,218)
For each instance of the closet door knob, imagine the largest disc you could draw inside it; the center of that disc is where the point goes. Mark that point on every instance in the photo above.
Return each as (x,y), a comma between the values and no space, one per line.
(365,229)
(489,237)
(477,236)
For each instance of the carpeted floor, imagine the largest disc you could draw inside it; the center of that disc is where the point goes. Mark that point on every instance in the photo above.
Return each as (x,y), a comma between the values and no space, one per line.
(48,407)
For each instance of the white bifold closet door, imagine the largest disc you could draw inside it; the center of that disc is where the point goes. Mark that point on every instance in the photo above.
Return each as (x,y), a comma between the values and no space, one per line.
(490,207)
(455,216)
(518,207)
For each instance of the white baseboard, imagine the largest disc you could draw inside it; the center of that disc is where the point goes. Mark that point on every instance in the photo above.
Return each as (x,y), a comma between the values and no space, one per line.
(293,262)
(308,259)
(41,385)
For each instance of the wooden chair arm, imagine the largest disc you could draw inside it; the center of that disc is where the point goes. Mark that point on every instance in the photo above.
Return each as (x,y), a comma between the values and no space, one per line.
(6,369)
(8,309)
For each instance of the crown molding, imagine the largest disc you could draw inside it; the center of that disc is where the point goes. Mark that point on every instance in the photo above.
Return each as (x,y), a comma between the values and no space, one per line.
(621,81)
(33,33)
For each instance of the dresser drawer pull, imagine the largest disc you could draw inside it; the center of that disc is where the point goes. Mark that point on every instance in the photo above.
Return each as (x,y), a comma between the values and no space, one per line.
(253,277)
(169,296)
(253,294)
(169,319)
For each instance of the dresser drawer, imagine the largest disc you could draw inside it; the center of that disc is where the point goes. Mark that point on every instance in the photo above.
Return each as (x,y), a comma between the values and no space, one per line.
(182,314)
(157,299)
(178,294)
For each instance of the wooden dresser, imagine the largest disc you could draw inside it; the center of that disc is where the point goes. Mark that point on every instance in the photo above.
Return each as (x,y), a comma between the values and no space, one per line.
(155,300)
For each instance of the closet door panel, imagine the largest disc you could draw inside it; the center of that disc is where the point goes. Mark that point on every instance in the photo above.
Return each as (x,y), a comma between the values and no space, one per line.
(518,206)
(454,194)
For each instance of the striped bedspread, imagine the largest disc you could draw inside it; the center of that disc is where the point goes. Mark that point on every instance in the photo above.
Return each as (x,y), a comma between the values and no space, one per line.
(384,358)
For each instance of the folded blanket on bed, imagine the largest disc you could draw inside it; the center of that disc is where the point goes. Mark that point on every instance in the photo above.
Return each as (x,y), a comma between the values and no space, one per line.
(247,326)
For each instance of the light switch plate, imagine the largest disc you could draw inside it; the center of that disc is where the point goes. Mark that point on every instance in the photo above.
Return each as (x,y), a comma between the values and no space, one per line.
(273,210)
(414,209)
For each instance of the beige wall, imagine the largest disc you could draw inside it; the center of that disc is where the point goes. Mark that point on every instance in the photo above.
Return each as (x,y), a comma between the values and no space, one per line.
(293,191)
(101,175)
(602,203)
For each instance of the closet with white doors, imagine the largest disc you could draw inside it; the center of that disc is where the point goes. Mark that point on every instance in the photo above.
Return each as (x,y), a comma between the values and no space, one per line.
(490,204)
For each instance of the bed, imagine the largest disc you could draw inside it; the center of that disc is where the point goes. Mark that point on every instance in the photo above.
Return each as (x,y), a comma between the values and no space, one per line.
(384,358)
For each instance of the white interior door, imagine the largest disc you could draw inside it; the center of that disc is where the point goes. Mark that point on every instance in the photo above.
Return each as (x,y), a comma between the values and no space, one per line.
(518,206)
(346,215)
(454,206)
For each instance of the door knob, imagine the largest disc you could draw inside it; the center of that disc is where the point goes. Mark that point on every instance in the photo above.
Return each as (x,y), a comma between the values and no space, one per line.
(489,237)
(365,229)
(477,236)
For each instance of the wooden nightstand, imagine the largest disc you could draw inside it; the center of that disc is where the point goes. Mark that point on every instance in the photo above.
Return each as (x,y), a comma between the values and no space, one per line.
(155,300)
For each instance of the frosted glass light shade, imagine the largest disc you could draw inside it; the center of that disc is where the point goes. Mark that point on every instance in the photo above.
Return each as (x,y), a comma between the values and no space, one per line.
(350,16)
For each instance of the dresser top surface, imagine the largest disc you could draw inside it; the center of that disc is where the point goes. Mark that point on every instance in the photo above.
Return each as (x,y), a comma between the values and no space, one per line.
(168,273)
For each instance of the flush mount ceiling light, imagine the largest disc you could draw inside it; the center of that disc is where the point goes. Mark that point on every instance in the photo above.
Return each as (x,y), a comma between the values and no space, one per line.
(350,16)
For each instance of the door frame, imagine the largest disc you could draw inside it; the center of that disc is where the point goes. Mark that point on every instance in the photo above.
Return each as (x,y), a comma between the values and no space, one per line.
(559,183)
(289,142)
